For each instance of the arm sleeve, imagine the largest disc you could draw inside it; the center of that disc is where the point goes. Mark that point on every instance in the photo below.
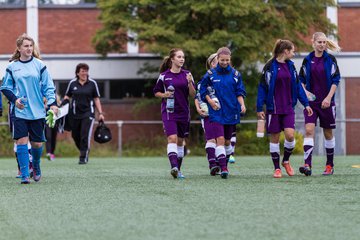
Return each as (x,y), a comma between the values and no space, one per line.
(302,95)
(8,86)
(261,95)
(205,82)
(47,86)
(9,95)
(159,86)
(240,87)
(335,72)
(302,73)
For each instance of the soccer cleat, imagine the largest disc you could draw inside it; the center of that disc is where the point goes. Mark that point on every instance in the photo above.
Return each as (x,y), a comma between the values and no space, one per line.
(329,170)
(277,173)
(289,170)
(25,180)
(50,157)
(224,173)
(36,171)
(37,175)
(306,170)
(214,170)
(180,175)
(83,160)
(19,174)
(174,172)
(231,159)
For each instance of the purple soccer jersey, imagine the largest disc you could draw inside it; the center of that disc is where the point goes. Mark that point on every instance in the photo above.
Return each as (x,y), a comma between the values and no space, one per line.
(282,93)
(318,79)
(181,95)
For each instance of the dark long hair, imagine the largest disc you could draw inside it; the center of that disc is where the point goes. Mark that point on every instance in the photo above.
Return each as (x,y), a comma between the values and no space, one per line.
(280,46)
(166,64)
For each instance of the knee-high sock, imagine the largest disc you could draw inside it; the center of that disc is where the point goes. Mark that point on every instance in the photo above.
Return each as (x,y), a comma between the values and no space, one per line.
(36,155)
(288,148)
(233,143)
(228,151)
(180,151)
(308,149)
(329,146)
(275,154)
(220,154)
(23,158)
(210,153)
(172,154)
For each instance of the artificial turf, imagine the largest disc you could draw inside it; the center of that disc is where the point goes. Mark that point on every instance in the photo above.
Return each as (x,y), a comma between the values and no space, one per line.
(136,198)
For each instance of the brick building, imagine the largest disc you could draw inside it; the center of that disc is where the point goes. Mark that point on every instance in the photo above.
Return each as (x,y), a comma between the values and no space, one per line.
(64,34)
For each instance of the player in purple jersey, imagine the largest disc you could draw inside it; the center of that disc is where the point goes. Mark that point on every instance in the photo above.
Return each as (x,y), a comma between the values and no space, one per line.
(202,109)
(279,89)
(320,77)
(223,90)
(174,86)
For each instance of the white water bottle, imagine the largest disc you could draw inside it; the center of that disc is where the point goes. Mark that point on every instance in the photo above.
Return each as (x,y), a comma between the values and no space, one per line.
(310,96)
(260,131)
(213,96)
(170,101)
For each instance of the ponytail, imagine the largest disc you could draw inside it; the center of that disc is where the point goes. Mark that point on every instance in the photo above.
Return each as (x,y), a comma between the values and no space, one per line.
(166,63)
(330,44)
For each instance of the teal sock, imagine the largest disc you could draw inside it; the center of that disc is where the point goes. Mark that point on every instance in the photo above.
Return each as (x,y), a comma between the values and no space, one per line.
(23,158)
(36,155)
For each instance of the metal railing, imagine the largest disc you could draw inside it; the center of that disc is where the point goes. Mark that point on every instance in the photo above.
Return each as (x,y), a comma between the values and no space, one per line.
(121,123)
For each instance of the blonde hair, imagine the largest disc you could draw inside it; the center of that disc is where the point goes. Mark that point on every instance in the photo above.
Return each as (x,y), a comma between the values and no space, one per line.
(210,60)
(19,42)
(330,44)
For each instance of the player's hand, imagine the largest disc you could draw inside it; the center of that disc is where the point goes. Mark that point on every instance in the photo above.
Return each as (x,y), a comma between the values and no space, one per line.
(19,104)
(261,115)
(55,109)
(101,117)
(243,109)
(325,103)
(213,104)
(309,111)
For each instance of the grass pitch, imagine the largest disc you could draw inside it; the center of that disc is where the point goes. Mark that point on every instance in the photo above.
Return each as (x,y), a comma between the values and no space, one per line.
(136,198)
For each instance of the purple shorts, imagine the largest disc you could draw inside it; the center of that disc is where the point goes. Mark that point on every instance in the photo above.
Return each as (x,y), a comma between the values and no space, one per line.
(209,129)
(326,116)
(214,130)
(276,123)
(179,128)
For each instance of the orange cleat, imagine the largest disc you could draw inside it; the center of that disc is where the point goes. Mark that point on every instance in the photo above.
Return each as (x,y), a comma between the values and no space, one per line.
(277,173)
(288,168)
(329,170)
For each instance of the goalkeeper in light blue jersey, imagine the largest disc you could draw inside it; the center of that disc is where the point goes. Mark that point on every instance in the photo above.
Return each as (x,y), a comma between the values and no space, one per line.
(25,83)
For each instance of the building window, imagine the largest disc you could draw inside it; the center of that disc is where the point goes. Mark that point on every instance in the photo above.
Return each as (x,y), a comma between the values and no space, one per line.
(125,89)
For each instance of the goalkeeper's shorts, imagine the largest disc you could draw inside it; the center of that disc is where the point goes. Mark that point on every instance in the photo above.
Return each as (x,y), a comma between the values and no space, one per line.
(32,128)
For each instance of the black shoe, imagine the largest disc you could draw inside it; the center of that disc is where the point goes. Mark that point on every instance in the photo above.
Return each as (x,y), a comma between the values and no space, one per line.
(82,161)
(306,170)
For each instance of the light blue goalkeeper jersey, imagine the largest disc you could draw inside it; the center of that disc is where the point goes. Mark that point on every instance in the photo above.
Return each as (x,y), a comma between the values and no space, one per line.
(30,79)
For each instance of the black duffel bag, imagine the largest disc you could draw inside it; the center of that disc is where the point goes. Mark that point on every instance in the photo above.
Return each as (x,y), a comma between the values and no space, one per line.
(102,133)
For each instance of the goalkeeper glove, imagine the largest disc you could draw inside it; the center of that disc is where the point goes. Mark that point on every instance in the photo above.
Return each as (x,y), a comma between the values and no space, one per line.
(50,118)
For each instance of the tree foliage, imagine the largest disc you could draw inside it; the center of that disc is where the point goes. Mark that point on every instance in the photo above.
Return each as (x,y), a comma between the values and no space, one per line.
(249,27)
